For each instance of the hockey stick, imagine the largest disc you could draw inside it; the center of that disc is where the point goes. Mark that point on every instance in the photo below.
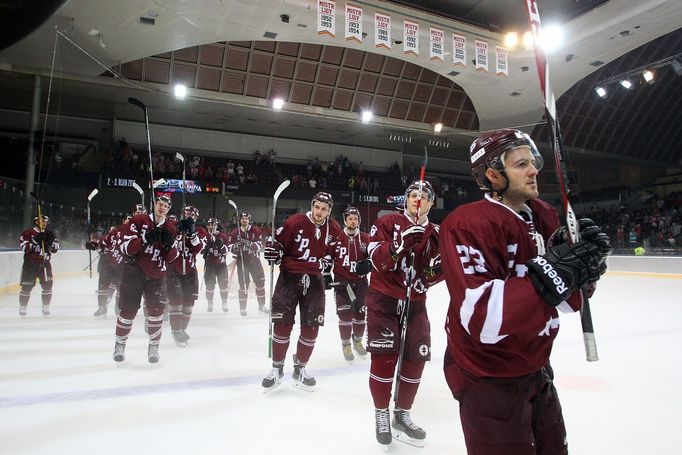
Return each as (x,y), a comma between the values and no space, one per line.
(178,156)
(242,281)
(90,196)
(139,190)
(559,165)
(40,222)
(410,273)
(142,106)
(282,186)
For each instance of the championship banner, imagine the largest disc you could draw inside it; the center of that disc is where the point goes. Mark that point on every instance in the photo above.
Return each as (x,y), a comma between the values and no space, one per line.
(501,61)
(353,23)
(437,44)
(481,55)
(326,13)
(410,38)
(382,30)
(459,49)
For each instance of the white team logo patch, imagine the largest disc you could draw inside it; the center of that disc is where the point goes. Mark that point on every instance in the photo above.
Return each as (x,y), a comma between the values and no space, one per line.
(423,350)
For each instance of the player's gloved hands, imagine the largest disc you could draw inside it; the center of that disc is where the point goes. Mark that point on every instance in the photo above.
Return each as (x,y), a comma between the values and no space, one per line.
(273,251)
(589,232)
(38,238)
(254,247)
(564,269)
(363,267)
(166,238)
(152,236)
(407,239)
(187,226)
(218,244)
(49,238)
(434,269)
(90,245)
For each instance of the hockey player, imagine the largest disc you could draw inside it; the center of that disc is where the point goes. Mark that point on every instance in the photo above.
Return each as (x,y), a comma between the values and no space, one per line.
(507,275)
(393,240)
(183,282)
(109,268)
(38,244)
(304,245)
(148,245)
(245,244)
(351,264)
(215,263)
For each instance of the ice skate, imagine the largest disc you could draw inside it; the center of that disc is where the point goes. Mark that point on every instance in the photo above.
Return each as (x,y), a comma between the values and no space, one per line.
(263,309)
(273,379)
(22,311)
(359,347)
(119,352)
(347,352)
(303,380)
(101,312)
(46,310)
(242,312)
(383,428)
(224,306)
(209,307)
(153,353)
(179,339)
(185,334)
(405,430)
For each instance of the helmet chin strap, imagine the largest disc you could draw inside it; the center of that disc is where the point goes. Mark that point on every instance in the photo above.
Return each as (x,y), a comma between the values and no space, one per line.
(499,194)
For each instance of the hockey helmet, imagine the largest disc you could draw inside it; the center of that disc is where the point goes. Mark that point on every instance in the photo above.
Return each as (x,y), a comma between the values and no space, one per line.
(139,209)
(350,210)
(421,185)
(46,219)
(488,152)
(172,217)
(165,198)
(127,218)
(189,211)
(323,197)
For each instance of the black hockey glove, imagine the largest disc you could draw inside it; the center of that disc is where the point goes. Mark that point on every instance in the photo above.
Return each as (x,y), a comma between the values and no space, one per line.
(187,226)
(166,238)
(273,252)
(564,269)
(38,238)
(326,274)
(363,267)
(49,238)
(152,236)
(218,244)
(407,240)
(90,245)
(589,232)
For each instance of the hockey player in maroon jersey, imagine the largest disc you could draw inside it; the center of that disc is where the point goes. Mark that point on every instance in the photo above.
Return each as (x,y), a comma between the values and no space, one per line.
(183,282)
(508,270)
(245,244)
(304,246)
(215,263)
(148,246)
(109,266)
(351,265)
(393,239)
(38,245)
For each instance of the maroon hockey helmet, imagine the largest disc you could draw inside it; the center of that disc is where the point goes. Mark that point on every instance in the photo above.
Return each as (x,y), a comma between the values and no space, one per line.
(165,198)
(323,197)
(189,211)
(350,210)
(424,186)
(212,222)
(172,217)
(46,219)
(488,152)
(139,209)
(127,218)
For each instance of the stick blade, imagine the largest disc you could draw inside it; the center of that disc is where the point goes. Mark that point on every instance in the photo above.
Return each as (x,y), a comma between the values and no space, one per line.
(282,186)
(179,156)
(92,194)
(137,103)
(233,204)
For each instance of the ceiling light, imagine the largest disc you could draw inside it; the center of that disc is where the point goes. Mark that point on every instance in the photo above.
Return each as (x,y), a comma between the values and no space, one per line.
(601,91)
(278,104)
(677,67)
(648,76)
(367,116)
(511,39)
(437,127)
(180,91)
(626,83)
(552,38)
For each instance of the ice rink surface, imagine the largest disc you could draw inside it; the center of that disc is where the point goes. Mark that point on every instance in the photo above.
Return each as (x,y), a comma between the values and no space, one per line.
(61,393)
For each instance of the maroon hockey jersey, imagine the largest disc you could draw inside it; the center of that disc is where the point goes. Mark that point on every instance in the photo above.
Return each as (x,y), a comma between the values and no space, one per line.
(150,257)
(109,244)
(497,324)
(33,252)
(214,255)
(307,247)
(247,241)
(192,248)
(350,250)
(391,279)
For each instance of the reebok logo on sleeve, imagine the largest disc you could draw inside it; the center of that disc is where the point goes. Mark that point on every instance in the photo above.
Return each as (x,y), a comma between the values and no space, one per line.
(551,273)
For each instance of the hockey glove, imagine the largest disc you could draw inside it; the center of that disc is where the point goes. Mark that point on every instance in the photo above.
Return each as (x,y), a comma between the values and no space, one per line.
(187,226)
(49,238)
(273,252)
(38,238)
(564,269)
(166,239)
(90,245)
(219,243)
(150,237)
(363,267)
(407,240)
(589,232)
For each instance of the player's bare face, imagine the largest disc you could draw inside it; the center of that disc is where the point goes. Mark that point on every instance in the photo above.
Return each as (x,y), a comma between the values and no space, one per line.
(320,211)
(244,221)
(519,167)
(352,222)
(412,202)
(161,209)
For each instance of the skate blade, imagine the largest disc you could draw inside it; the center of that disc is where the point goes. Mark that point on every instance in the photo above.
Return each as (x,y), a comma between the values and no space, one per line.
(304,387)
(405,439)
(182,345)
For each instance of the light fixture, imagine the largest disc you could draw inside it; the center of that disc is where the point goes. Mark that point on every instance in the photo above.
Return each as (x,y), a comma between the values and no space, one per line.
(367,116)
(626,83)
(437,127)
(677,67)
(601,91)
(648,76)
(552,38)
(511,39)
(180,91)
(278,104)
